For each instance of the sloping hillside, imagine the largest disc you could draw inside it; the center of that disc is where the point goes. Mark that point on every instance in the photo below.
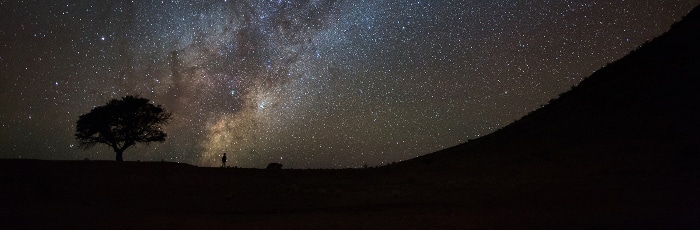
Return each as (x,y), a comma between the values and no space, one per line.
(640,112)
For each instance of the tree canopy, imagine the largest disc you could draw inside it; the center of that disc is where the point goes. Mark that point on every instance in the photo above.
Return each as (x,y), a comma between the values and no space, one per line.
(122,123)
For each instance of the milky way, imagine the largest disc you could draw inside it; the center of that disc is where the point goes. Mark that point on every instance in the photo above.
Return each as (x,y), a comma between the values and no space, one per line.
(309,84)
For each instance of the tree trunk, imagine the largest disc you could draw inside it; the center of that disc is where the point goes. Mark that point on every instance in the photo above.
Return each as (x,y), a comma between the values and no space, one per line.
(119,154)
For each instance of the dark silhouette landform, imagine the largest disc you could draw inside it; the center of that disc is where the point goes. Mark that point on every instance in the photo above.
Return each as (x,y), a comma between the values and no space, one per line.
(619,150)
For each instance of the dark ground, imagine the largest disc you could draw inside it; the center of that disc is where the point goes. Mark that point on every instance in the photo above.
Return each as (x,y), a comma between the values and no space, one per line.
(97,194)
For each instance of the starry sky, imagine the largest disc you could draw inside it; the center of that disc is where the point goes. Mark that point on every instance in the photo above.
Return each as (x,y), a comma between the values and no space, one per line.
(307,83)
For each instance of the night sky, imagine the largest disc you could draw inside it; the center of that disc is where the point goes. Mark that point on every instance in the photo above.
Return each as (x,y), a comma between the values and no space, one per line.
(309,84)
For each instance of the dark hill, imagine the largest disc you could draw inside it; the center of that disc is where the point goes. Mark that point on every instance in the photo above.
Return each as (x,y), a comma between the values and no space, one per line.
(641,112)
(620,150)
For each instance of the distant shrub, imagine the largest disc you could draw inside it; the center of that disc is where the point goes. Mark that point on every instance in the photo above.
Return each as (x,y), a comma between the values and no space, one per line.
(274,166)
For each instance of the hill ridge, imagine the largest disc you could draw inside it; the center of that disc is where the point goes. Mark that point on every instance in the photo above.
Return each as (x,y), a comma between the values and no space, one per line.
(650,94)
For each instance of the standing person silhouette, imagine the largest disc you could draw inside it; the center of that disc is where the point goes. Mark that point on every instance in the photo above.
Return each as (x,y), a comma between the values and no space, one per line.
(223,161)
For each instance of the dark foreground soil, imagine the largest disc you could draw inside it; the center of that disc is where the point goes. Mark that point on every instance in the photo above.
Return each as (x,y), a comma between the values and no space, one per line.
(160,195)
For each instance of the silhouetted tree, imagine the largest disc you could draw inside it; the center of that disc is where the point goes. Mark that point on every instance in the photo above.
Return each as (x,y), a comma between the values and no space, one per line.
(122,123)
